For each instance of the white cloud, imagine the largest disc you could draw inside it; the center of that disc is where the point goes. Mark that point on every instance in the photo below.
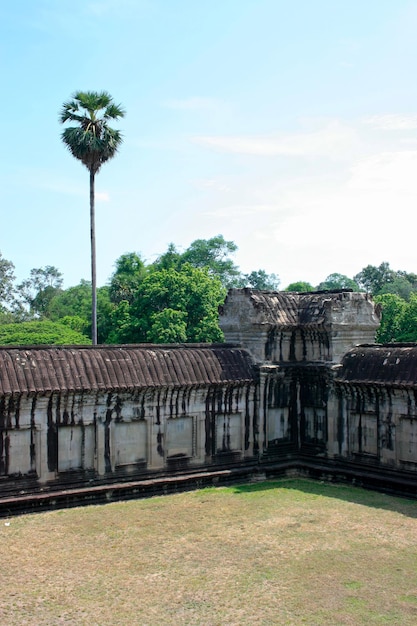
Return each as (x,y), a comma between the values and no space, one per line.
(242,210)
(392,121)
(212,183)
(310,230)
(306,219)
(344,228)
(332,141)
(388,172)
(102,196)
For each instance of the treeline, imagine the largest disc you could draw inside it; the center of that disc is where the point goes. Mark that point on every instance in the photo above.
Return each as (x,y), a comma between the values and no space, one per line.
(173,299)
(394,291)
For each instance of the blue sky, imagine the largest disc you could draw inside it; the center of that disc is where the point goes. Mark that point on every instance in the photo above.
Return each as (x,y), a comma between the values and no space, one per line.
(288,127)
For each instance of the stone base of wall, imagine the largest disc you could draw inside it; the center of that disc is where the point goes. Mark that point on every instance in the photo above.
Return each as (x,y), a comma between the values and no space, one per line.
(26,496)
(395,482)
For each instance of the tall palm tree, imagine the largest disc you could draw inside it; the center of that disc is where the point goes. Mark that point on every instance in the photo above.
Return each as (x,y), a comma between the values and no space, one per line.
(93,142)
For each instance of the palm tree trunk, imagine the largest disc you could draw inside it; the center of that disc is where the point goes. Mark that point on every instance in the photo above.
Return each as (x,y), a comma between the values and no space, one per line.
(93,263)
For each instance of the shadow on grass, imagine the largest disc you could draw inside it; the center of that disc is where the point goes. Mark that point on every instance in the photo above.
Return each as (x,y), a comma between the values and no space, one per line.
(357,495)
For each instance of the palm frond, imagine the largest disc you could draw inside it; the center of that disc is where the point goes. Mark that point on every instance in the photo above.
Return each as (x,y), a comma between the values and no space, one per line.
(113,112)
(93,142)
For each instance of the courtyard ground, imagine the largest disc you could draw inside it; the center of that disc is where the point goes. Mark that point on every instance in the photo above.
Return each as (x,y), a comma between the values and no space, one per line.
(282,552)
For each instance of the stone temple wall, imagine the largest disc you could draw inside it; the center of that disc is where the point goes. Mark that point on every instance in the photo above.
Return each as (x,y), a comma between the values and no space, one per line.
(124,433)
(298,386)
(291,327)
(71,413)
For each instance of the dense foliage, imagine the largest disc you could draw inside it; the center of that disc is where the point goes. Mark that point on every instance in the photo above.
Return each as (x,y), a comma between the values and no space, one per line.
(300,286)
(394,291)
(40,333)
(174,299)
(170,305)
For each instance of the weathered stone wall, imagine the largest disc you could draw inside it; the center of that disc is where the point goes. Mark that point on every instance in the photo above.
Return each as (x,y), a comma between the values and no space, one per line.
(376,426)
(126,433)
(296,401)
(279,326)
(295,410)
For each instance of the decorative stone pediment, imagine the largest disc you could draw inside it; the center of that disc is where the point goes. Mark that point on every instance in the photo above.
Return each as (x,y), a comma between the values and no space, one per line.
(287,326)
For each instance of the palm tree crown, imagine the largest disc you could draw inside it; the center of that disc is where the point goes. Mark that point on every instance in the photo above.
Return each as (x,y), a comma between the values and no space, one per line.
(92,141)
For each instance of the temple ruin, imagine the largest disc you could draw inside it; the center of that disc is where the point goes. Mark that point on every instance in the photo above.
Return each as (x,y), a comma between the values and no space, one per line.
(298,387)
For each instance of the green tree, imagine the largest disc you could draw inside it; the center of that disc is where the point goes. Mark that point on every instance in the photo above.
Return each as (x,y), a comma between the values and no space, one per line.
(392,308)
(410,278)
(75,302)
(398,319)
(130,271)
(168,326)
(37,291)
(401,285)
(93,142)
(338,281)
(372,279)
(259,279)
(408,320)
(75,323)
(123,327)
(171,305)
(300,287)
(42,332)
(171,259)
(7,278)
(214,254)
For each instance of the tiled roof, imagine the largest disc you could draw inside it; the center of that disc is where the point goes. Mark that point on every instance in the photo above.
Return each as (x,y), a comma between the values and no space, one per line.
(394,364)
(293,309)
(41,369)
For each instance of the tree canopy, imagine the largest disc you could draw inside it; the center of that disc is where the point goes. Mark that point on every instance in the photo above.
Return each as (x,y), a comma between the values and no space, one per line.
(171,305)
(173,299)
(338,281)
(40,333)
(259,279)
(7,276)
(300,286)
(92,141)
(213,254)
(36,292)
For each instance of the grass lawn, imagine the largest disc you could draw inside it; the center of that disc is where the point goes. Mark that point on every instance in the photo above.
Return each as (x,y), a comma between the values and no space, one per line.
(282,552)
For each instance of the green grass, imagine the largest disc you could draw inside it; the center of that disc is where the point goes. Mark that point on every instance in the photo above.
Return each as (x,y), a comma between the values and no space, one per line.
(283,552)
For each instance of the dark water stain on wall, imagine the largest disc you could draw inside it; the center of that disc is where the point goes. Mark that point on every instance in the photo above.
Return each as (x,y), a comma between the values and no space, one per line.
(32,448)
(52,438)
